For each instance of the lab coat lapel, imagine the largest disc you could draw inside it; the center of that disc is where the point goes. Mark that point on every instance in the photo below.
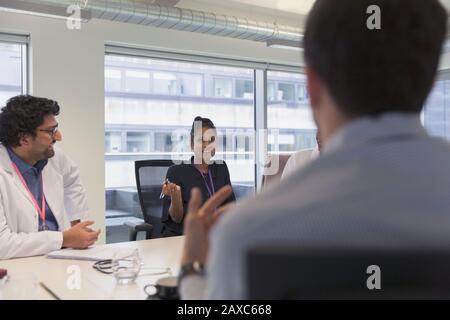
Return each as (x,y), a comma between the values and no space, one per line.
(53,189)
(6,164)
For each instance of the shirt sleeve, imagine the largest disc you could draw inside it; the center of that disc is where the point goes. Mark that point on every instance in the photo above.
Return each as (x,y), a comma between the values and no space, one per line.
(193,287)
(287,168)
(173,176)
(21,244)
(167,201)
(232,197)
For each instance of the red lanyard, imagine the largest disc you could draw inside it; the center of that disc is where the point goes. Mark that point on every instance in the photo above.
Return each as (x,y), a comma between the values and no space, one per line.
(40,210)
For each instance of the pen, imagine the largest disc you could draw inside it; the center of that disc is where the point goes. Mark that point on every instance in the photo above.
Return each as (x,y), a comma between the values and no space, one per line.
(161,196)
(49,291)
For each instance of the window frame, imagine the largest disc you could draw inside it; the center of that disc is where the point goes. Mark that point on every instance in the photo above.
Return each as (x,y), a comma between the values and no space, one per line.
(260,69)
(22,39)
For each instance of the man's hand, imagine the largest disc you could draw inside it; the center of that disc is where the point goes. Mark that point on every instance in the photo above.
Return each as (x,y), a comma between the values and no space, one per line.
(199,222)
(80,236)
(74,222)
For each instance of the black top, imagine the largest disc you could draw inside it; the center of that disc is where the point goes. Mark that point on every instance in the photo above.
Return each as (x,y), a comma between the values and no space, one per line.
(187,177)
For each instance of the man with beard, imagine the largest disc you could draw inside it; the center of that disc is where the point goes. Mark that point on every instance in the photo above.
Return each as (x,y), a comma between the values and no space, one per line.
(38,183)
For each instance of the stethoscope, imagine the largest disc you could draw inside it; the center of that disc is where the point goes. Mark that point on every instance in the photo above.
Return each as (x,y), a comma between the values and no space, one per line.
(106,267)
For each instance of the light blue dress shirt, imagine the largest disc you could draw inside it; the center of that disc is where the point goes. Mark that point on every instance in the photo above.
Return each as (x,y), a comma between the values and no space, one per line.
(32,176)
(380,182)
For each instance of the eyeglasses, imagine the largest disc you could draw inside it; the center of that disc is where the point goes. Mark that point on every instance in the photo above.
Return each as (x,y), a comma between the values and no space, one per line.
(51,131)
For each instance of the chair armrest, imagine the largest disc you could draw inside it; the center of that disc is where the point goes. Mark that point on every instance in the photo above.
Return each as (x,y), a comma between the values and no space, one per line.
(139,226)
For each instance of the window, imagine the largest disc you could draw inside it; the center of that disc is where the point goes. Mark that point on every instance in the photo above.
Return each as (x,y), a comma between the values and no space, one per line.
(138,142)
(302,93)
(164,83)
(223,88)
(156,124)
(113,80)
(290,123)
(13,70)
(191,84)
(244,89)
(113,142)
(137,81)
(436,114)
(271,91)
(163,142)
(285,92)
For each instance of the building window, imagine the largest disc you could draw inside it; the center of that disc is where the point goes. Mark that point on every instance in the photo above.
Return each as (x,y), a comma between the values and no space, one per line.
(290,122)
(164,83)
(137,81)
(138,142)
(113,142)
(223,88)
(13,70)
(113,80)
(436,114)
(302,93)
(271,95)
(191,84)
(156,125)
(285,92)
(244,89)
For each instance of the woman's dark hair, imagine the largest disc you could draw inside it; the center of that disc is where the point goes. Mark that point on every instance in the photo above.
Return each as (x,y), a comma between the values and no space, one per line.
(22,115)
(206,123)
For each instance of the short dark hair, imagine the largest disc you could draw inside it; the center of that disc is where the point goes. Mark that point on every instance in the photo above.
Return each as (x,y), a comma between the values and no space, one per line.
(23,115)
(370,72)
(206,123)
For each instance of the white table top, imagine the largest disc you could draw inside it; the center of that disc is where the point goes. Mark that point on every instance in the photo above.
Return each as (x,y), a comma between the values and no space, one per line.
(56,273)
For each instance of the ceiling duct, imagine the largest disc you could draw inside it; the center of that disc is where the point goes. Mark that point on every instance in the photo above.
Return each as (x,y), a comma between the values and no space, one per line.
(156,15)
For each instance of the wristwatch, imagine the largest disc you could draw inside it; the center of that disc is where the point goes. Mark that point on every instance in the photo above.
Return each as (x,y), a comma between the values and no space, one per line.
(191,268)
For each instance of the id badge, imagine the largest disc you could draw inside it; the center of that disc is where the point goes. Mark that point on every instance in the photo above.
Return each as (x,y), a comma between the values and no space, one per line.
(43,227)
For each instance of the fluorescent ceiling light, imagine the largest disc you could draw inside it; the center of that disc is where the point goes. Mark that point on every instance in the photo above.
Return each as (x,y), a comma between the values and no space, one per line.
(42,10)
(285,44)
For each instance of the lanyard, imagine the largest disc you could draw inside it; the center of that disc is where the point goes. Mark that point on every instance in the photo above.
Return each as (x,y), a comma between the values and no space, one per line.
(210,192)
(33,199)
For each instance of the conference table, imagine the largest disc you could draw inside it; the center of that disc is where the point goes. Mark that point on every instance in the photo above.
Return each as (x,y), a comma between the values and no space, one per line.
(76,279)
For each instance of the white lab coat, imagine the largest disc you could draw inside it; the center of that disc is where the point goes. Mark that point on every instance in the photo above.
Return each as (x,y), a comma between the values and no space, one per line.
(298,160)
(19,219)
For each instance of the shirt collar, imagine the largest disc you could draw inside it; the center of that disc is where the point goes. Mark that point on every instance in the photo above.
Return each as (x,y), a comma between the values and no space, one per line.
(212,166)
(23,166)
(364,129)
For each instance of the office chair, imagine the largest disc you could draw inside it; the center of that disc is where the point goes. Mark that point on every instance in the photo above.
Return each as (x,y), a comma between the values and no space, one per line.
(270,177)
(288,272)
(150,175)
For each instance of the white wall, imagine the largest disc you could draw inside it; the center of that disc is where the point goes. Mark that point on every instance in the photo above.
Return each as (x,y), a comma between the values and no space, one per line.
(67,66)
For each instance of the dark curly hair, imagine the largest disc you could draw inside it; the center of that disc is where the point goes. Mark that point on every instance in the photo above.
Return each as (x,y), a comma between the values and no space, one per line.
(23,115)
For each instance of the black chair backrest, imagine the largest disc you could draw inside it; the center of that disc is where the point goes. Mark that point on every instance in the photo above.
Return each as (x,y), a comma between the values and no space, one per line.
(287,272)
(150,175)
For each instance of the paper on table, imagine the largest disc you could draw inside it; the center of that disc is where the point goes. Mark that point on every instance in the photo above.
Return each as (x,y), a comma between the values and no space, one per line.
(94,253)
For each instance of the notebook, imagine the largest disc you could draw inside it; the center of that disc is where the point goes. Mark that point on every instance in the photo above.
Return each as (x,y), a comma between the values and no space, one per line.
(94,253)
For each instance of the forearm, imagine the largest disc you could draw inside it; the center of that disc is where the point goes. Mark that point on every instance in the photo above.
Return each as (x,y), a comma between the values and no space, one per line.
(17,245)
(176,210)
